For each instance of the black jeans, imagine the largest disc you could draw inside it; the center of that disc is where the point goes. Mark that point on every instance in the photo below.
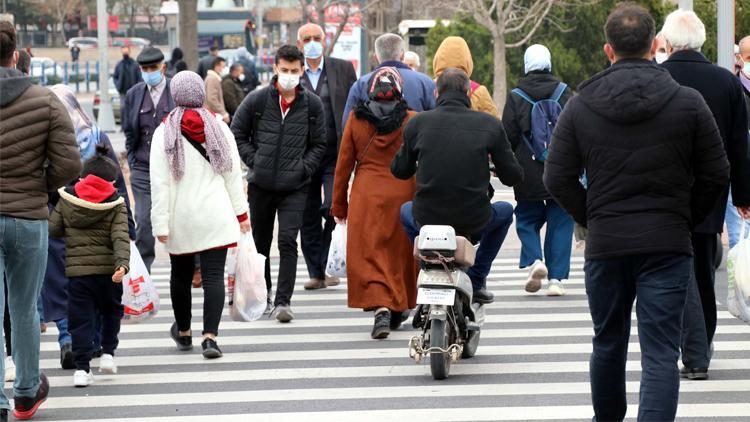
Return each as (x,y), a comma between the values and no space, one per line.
(181,282)
(659,282)
(700,311)
(316,237)
(88,298)
(290,206)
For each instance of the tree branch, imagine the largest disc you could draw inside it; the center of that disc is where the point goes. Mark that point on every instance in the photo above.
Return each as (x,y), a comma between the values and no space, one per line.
(533,30)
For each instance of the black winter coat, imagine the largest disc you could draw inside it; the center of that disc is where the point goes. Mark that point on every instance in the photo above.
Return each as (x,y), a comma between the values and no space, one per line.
(282,154)
(517,121)
(723,94)
(653,157)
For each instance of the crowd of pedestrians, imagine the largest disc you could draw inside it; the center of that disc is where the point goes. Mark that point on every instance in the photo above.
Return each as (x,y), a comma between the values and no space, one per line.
(641,158)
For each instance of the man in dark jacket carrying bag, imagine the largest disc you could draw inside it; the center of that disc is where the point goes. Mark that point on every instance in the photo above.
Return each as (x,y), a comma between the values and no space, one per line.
(281,136)
(655,166)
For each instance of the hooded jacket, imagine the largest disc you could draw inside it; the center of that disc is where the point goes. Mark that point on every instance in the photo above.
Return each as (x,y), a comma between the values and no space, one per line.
(454,52)
(95,228)
(653,157)
(38,148)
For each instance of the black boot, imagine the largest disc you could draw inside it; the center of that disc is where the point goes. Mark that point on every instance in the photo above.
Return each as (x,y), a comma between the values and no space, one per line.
(483,296)
(382,327)
(66,356)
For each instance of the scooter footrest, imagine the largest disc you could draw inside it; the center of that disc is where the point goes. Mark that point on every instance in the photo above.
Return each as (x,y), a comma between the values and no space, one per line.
(472,326)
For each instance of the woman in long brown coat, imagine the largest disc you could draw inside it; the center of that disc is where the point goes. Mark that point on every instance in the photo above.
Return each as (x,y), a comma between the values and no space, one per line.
(381,270)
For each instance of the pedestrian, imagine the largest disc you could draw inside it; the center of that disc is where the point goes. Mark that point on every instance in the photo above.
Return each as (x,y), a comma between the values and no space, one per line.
(145,107)
(535,207)
(281,135)
(231,88)
(176,63)
(38,149)
(454,52)
(75,53)
(207,62)
(419,89)
(380,267)
(655,165)
(199,206)
(93,219)
(734,221)
(250,81)
(447,149)
(24,62)
(661,55)
(214,93)
(330,79)
(127,75)
(411,59)
(685,34)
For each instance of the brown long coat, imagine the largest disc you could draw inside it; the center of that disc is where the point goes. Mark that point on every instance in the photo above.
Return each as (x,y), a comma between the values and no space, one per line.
(381,271)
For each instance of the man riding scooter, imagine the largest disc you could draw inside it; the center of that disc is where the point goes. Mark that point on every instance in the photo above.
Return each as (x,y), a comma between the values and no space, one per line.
(451,144)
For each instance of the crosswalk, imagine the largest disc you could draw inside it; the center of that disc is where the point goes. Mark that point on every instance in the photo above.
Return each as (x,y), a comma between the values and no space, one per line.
(532,364)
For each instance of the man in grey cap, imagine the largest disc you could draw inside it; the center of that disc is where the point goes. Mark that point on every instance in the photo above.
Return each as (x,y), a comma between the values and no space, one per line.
(146,105)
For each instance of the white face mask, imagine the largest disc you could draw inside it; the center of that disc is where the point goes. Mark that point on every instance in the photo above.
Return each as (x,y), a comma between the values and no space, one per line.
(241,77)
(746,69)
(661,57)
(288,81)
(225,71)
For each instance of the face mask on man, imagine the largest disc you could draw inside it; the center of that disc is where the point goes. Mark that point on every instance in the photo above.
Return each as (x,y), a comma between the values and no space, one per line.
(241,77)
(224,71)
(746,69)
(661,57)
(313,50)
(151,78)
(288,81)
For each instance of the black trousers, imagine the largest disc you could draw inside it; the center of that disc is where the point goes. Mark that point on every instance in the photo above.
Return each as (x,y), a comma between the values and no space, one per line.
(700,314)
(289,206)
(316,237)
(181,282)
(89,297)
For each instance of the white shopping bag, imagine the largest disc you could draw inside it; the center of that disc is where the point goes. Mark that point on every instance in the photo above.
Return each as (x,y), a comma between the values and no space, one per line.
(738,275)
(336,266)
(248,301)
(139,296)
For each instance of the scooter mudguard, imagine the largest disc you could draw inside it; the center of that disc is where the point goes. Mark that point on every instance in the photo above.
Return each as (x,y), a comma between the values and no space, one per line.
(438,312)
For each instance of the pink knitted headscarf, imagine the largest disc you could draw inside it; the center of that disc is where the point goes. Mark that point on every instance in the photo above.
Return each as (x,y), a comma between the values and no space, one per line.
(189,92)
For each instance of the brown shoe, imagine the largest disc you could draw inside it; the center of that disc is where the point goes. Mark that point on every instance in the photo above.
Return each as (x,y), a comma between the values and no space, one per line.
(315,284)
(332,281)
(197,280)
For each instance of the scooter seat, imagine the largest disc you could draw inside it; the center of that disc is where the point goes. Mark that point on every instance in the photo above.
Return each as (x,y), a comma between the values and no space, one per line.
(463,256)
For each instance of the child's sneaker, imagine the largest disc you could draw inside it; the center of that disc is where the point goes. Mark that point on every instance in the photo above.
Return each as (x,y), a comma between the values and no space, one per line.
(82,378)
(555,288)
(107,364)
(537,273)
(10,369)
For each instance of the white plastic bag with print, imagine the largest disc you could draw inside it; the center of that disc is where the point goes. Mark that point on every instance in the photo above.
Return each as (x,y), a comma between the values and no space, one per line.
(250,294)
(336,266)
(738,275)
(139,295)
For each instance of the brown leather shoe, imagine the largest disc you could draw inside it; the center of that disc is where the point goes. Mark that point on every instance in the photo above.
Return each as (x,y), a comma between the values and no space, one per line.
(332,281)
(197,280)
(315,284)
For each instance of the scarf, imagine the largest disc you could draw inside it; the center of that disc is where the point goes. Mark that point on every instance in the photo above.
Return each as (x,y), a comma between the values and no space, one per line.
(385,116)
(216,144)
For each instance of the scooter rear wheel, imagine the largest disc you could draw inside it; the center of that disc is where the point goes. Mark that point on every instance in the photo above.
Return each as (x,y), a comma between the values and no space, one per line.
(440,363)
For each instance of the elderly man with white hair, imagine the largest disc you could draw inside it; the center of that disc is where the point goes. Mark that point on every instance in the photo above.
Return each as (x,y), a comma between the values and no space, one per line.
(685,34)
(411,59)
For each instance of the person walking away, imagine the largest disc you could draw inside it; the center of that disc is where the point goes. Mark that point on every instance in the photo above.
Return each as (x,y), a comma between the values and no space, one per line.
(199,206)
(411,59)
(39,152)
(281,136)
(92,218)
(75,53)
(24,63)
(685,35)
(419,89)
(231,88)
(207,62)
(176,64)
(250,81)
(214,93)
(539,89)
(127,75)
(380,267)
(447,149)
(734,221)
(655,166)
(144,109)
(330,79)
(454,52)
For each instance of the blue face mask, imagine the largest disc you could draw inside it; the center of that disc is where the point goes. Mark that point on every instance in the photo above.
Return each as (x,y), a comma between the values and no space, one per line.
(313,50)
(151,78)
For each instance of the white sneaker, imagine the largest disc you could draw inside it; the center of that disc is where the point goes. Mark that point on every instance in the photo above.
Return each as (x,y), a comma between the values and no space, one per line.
(83,378)
(107,364)
(555,288)
(10,369)
(537,273)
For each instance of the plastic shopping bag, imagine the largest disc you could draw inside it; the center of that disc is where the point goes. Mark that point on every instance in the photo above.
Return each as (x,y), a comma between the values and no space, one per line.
(738,275)
(336,266)
(139,296)
(250,294)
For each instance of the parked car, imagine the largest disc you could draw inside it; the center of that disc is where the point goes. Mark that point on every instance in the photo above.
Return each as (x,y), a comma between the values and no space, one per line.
(50,67)
(114,97)
(130,42)
(83,43)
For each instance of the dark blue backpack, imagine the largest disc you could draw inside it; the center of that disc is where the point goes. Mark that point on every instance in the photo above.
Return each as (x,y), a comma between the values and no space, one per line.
(544,115)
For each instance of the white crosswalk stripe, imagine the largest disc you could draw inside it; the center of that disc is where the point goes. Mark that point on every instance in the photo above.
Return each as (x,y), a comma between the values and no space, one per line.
(532,364)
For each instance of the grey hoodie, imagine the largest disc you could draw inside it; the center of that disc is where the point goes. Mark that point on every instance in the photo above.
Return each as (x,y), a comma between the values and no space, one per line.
(13,83)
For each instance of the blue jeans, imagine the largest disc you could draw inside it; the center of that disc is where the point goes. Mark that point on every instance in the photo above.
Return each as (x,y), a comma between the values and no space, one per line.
(735,224)
(531,216)
(659,282)
(23,258)
(490,238)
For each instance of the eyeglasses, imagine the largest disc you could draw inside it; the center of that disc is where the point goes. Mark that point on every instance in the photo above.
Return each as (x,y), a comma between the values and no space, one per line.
(308,38)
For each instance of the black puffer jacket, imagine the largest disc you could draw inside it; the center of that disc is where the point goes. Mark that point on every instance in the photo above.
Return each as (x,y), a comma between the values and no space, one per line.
(517,121)
(654,159)
(282,154)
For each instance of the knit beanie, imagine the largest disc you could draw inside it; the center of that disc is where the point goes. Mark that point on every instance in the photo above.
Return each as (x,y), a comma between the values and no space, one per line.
(100,165)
